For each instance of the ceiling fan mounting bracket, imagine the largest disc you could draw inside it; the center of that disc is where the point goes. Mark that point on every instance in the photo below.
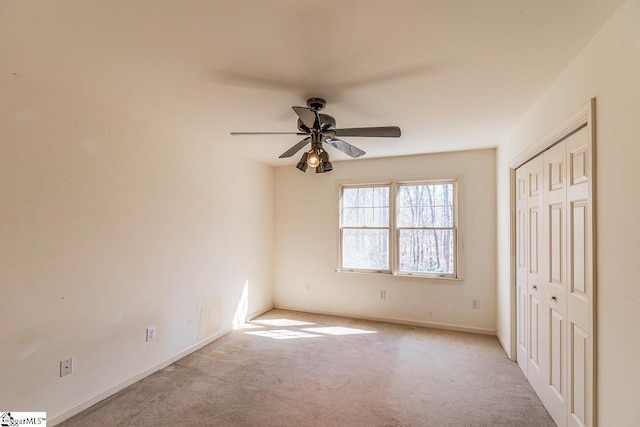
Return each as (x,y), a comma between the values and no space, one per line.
(316,104)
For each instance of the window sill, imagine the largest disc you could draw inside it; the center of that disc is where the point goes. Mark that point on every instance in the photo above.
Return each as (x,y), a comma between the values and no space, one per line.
(436,279)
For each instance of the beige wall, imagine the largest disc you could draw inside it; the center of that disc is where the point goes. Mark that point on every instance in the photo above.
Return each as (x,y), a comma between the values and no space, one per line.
(306,224)
(608,69)
(109,225)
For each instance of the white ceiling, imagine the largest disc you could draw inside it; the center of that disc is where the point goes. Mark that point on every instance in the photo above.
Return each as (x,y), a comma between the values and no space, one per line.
(453,74)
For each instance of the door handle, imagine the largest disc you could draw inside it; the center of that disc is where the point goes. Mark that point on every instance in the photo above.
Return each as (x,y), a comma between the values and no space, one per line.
(553,298)
(534,287)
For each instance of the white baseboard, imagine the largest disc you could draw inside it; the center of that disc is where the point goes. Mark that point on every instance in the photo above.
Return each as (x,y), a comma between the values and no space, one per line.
(259,312)
(434,325)
(505,348)
(76,409)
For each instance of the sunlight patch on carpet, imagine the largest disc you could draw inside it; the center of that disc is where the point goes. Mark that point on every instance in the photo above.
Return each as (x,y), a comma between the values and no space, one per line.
(281,322)
(339,330)
(283,334)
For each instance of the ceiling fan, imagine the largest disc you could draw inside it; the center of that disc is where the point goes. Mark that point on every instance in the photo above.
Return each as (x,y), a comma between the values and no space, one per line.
(321,128)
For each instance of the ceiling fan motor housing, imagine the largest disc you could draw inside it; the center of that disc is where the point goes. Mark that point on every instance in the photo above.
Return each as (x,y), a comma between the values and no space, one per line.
(316,104)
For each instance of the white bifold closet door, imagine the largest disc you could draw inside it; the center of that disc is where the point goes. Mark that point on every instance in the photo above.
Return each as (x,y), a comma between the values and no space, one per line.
(554,278)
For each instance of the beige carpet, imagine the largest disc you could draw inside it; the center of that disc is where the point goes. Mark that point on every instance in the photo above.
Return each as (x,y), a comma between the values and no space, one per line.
(297,369)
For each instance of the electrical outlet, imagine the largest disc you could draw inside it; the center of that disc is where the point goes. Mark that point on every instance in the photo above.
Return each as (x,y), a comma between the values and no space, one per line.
(475,304)
(382,294)
(66,367)
(151,333)
(307,287)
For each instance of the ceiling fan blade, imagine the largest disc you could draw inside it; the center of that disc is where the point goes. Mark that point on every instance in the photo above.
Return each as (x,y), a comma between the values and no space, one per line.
(268,133)
(345,147)
(293,150)
(308,117)
(380,132)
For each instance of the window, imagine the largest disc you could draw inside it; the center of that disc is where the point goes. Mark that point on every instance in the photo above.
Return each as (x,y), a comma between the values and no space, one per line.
(406,228)
(425,224)
(365,228)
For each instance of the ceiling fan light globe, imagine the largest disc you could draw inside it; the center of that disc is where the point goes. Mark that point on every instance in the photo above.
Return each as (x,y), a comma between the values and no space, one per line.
(313,159)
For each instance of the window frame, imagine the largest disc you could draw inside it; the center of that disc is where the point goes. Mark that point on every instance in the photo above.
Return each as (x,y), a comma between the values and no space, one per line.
(394,230)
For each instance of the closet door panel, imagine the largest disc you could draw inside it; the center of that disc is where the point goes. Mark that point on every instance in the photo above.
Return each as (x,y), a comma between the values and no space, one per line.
(537,322)
(579,280)
(554,394)
(522,190)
